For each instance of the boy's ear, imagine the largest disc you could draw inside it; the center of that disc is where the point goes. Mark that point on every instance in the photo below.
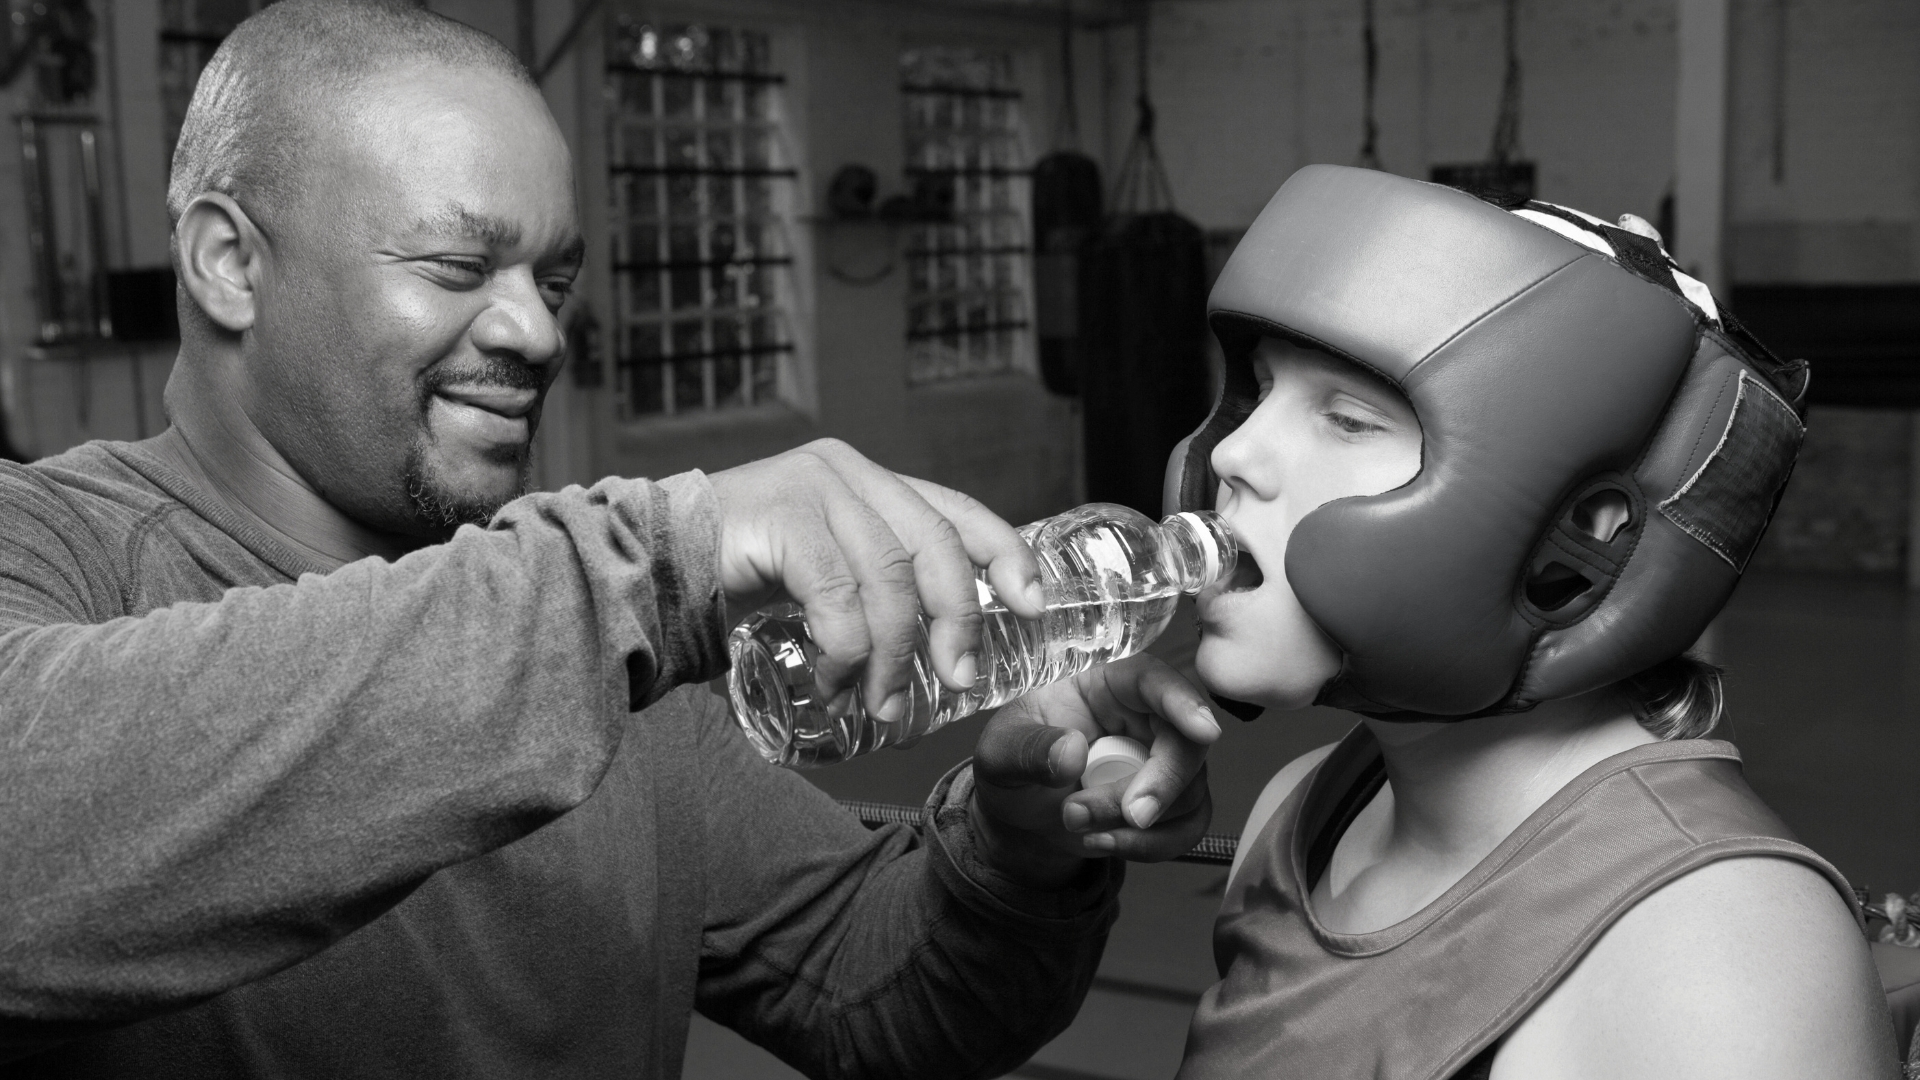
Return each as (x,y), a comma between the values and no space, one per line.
(220,258)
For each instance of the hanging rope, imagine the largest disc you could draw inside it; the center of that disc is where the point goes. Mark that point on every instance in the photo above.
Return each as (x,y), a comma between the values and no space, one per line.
(1066,130)
(1142,186)
(1506,128)
(1778,136)
(1370,54)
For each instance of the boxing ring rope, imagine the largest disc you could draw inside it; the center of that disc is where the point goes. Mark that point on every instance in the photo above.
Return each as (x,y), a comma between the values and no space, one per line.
(1214,849)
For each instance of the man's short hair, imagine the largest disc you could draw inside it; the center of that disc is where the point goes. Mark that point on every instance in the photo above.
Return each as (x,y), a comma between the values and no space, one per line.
(257,102)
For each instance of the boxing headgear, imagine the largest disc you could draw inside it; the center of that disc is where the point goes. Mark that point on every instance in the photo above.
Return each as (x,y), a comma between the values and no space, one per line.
(1549,357)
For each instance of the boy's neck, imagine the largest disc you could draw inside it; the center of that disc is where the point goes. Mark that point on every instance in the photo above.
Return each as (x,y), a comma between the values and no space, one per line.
(1454,792)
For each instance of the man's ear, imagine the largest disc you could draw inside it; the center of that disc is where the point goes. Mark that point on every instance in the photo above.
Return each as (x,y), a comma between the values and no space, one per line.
(221,254)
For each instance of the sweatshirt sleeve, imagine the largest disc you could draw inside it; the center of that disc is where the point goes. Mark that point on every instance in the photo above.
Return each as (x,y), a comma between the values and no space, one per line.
(894,952)
(209,792)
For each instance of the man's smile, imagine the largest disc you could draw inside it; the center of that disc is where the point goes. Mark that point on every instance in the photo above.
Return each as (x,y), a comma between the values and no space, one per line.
(486,414)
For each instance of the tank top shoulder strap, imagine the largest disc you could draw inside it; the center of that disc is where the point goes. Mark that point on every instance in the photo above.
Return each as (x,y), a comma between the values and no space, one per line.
(1422,999)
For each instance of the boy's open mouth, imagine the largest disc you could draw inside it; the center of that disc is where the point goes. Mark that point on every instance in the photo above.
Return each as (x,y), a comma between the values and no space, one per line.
(1246,573)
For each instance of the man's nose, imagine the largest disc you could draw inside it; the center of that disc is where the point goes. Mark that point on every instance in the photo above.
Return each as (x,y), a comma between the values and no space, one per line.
(519,323)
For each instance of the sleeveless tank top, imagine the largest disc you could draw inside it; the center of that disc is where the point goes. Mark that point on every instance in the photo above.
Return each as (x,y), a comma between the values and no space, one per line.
(1430,997)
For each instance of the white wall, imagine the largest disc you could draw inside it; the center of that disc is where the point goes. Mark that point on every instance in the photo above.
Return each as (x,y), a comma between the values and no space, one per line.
(1841,103)
(1250,90)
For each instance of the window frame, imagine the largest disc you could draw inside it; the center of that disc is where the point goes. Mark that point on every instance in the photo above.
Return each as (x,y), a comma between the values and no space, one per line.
(1015,245)
(783,267)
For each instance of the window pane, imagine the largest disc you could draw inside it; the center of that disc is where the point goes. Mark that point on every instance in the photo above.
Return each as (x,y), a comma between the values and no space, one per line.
(690,107)
(644,394)
(765,380)
(729,389)
(966,280)
(688,392)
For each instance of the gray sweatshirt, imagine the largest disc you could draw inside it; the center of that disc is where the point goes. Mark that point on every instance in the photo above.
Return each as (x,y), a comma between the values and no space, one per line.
(402,819)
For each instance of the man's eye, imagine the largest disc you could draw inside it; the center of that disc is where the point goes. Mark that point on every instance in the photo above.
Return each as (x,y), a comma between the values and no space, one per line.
(463,269)
(556,292)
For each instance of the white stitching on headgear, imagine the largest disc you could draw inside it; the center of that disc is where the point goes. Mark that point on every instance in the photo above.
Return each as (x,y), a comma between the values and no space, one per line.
(1696,293)
(1569,230)
(1692,289)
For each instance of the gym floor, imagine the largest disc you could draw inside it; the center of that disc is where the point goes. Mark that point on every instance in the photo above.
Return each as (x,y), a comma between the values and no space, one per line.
(1824,681)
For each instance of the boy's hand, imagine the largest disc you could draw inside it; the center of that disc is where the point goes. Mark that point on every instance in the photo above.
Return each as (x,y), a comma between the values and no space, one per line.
(1032,821)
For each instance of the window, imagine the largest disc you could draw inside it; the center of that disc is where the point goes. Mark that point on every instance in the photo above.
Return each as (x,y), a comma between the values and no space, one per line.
(190,30)
(700,219)
(967,282)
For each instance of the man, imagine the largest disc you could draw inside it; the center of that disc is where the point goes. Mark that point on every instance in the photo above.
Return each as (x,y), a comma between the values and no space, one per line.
(237,750)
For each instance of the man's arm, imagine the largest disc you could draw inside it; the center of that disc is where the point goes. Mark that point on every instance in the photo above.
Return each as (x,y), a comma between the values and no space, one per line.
(851,953)
(209,792)
(959,952)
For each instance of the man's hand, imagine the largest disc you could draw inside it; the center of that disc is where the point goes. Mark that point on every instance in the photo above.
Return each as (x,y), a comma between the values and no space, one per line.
(864,551)
(1031,821)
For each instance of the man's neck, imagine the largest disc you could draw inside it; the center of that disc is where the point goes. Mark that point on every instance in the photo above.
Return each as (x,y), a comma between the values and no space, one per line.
(218,449)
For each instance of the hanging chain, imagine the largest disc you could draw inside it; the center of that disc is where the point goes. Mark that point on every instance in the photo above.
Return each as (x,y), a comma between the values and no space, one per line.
(1506,129)
(1142,186)
(1370,54)
(1778,136)
(1066,130)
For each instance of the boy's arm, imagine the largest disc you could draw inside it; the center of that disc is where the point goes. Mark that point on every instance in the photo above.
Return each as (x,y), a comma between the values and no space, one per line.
(1748,968)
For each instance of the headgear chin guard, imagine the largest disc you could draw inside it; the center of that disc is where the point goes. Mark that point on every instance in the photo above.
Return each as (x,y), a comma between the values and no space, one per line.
(1550,357)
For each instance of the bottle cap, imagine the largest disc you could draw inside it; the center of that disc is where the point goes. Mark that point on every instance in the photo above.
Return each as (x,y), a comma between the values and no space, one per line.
(1115,757)
(1215,563)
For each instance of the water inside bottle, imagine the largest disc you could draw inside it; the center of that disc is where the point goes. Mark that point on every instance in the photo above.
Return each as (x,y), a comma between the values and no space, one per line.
(1112,580)
(775,689)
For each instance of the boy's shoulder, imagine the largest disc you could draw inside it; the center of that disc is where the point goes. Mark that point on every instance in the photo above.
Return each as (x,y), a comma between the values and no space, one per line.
(1289,777)
(1749,967)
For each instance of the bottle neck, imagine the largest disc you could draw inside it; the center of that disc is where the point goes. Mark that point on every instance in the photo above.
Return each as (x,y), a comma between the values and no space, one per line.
(1200,547)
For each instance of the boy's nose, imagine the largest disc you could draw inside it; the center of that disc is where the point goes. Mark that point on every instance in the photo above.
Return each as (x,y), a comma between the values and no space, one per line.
(1235,458)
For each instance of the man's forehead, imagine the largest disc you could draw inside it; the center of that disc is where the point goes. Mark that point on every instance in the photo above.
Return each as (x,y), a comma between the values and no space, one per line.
(457,222)
(454,221)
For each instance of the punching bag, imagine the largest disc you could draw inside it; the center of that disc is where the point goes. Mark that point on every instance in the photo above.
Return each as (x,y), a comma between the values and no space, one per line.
(1066,217)
(1144,296)
(1143,328)
(1067,213)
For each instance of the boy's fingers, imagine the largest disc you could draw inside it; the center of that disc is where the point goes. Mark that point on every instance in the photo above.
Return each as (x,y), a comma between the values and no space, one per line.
(1111,806)
(1145,685)
(1174,836)
(1174,765)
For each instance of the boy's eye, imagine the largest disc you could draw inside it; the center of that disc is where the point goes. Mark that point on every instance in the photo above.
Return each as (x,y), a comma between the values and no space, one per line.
(1352,425)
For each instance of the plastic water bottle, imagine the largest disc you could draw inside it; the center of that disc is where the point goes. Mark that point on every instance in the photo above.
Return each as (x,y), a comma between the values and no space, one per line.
(1111,578)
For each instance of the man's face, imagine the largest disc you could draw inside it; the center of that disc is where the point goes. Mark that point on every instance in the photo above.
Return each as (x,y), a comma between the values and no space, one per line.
(405,332)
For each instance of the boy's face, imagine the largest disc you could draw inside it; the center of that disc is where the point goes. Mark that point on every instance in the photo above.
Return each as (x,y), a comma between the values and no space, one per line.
(1324,430)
